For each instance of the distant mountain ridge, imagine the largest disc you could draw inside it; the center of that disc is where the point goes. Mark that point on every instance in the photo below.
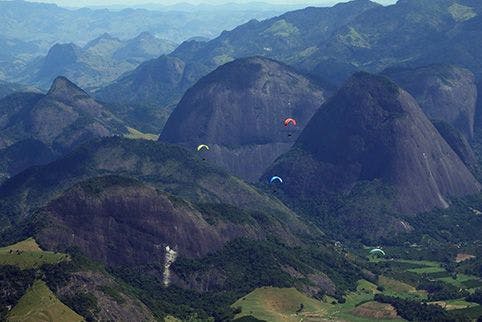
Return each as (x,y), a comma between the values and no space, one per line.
(100,61)
(281,38)
(329,43)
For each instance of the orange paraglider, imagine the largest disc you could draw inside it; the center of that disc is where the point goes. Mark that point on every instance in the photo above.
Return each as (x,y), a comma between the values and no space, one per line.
(290,120)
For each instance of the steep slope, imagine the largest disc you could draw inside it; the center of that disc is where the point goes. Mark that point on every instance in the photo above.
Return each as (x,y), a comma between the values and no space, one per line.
(458,143)
(50,124)
(373,134)
(123,222)
(444,92)
(146,96)
(372,40)
(238,111)
(122,202)
(168,168)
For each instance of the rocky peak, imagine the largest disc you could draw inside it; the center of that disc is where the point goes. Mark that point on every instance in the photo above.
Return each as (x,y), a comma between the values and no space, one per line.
(373,130)
(239,109)
(64,90)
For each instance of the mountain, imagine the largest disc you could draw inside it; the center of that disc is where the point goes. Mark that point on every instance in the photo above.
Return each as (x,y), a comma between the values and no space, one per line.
(432,33)
(21,21)
(36,127)
(99,62)
(30,29)
(238,110)
(444,92)
(372,143)
(15,55)
(332,43)
(285,38)
(123,202)
(459,143)
(169,168)
(146,96)
(143,47)
(7,88)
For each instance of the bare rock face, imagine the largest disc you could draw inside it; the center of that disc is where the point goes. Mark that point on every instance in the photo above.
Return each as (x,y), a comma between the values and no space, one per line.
(373,130)
(122,221)
(129,224)
(238,111)
(444,92)
(458,142)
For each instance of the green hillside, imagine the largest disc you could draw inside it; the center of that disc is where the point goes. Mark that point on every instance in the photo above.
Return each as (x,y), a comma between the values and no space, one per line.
(40,304)
(27,254)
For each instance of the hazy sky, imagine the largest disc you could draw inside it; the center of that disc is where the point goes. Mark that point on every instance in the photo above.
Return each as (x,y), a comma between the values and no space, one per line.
(80,3)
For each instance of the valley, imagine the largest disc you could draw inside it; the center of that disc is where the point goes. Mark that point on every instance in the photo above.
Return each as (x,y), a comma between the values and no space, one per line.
(241,162)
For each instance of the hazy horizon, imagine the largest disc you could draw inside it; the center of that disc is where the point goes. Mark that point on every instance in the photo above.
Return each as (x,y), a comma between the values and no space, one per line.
(133,3)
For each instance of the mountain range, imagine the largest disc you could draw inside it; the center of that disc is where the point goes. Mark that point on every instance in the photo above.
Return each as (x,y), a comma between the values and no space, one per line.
(36,128)
(322,164)
(99,62)
(328,43)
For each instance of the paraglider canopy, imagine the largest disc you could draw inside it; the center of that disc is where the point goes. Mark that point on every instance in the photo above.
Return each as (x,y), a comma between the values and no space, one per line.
(289,121)
(202,146)
(275,178)
(377,251)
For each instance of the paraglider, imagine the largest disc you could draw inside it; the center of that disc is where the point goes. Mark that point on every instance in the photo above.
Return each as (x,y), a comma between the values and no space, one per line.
(377,251)
(276,178)
(202,146)
(289,121)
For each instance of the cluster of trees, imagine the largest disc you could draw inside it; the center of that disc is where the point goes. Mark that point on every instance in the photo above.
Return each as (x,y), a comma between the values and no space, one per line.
(414,310)
(476,297)
(14,282)
(84,304)
(439,291)
(241,266)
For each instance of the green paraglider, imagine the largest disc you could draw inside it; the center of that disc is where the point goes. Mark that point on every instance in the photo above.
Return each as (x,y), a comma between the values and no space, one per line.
(377,251)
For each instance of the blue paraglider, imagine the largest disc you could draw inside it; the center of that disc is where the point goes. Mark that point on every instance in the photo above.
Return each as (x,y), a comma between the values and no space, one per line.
(276,178)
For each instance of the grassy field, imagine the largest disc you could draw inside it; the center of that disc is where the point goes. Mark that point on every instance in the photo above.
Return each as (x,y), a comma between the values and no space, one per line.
(455,304)
(39,304)
(282,304)
(349,311)
(435,271)
(427,270)
(278,304)
(375,310)
(138,135)
(27,254)
(399,289)
(274,304)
